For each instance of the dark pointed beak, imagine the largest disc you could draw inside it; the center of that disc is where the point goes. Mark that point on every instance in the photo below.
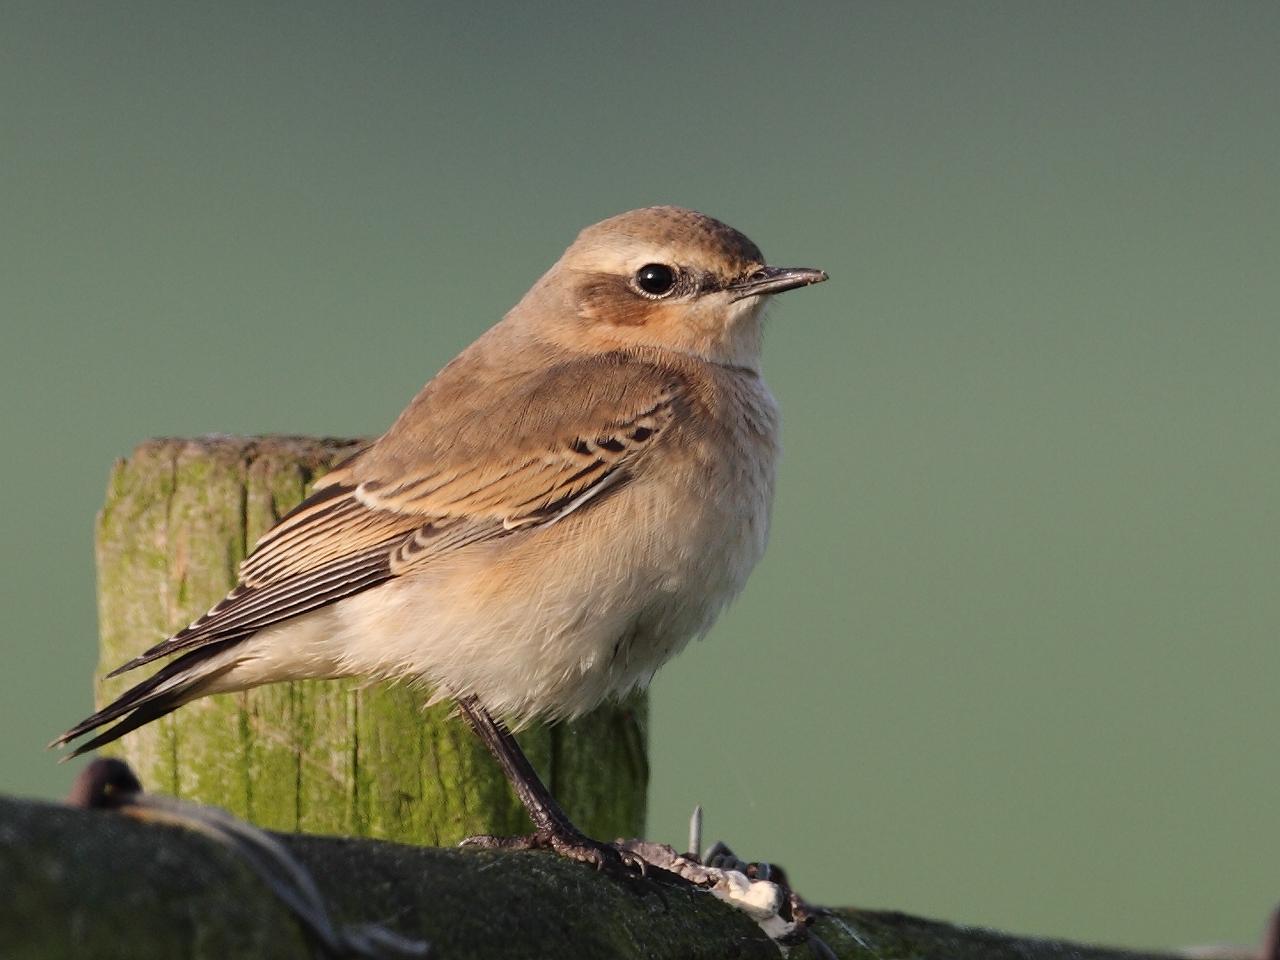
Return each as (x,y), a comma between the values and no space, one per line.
(775,280)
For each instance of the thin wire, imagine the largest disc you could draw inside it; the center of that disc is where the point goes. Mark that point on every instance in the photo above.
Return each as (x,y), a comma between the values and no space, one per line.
(110,784)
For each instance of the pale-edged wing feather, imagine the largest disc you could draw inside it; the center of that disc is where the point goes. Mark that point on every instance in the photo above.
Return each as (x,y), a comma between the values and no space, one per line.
(384,513)
(528,488)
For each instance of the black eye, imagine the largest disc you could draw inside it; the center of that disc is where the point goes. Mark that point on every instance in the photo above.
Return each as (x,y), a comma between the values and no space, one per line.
(655,279)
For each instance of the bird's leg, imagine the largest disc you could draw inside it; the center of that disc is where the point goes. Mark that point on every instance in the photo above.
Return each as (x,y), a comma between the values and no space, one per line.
(551,825)
(542,808)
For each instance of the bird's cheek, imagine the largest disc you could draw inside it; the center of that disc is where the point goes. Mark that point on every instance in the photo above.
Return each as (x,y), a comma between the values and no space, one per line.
(709,320)
(749,311)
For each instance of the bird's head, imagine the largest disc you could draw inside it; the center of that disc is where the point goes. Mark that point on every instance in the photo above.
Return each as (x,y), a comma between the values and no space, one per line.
(661,277)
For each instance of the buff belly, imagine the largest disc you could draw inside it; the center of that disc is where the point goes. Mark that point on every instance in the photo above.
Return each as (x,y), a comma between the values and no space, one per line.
(531,639)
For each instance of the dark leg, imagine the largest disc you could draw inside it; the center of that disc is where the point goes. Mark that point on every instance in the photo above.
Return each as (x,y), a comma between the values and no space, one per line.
(551,826)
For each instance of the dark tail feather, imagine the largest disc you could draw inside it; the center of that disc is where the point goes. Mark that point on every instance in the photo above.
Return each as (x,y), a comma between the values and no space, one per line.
(161,693)
(173,645)
(199,632)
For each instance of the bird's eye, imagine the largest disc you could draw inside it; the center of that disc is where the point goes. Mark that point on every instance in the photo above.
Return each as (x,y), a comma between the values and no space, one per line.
(655,279)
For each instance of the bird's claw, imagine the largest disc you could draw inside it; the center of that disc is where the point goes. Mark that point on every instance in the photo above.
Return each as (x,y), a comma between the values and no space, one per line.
(570,845)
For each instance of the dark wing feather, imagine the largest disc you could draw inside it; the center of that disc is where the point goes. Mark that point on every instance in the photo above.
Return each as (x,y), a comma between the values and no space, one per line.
(246,610)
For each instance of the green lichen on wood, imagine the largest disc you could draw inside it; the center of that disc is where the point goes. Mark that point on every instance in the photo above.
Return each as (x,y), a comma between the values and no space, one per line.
(597,805)
(97,884)
(329,756)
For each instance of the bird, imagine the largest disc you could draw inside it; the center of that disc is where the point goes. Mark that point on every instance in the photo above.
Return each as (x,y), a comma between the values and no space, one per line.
(556,514)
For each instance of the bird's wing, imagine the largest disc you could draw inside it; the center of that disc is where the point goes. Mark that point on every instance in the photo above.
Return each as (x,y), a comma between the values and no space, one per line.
(526,455)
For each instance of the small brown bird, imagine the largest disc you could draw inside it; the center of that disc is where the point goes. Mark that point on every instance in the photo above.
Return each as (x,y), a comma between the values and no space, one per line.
(555,515)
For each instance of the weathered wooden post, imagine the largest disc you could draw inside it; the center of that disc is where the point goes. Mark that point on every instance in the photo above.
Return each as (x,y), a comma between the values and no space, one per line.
(320,756)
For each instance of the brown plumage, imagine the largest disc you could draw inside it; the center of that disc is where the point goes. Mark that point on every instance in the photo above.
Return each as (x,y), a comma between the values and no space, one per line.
(553,516)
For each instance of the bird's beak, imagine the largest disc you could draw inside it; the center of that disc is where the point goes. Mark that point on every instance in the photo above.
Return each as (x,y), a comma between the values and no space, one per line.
(775,280)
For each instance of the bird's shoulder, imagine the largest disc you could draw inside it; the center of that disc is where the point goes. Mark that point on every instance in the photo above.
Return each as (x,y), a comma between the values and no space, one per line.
(479,454)
(481,407)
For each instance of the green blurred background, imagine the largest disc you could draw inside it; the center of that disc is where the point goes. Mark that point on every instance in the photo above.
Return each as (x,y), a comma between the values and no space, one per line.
(1012,656)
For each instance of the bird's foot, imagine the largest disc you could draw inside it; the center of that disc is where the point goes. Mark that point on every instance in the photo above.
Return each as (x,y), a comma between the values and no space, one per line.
(569,844)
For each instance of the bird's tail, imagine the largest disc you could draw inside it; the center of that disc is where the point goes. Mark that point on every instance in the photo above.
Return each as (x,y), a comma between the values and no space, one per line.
(185,679)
